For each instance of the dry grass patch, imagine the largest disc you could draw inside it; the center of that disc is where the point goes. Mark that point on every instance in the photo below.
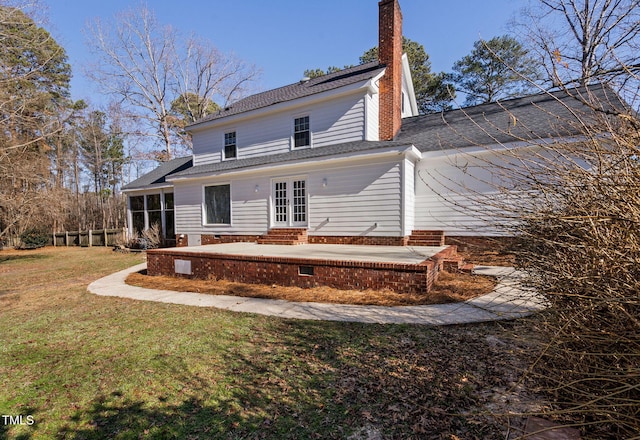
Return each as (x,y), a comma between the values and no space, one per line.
(487,257)
(449,288)
(92,367)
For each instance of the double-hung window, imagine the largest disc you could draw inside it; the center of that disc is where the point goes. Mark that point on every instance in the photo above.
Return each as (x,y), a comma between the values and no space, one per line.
(301,132)
(217,204)
(230,148)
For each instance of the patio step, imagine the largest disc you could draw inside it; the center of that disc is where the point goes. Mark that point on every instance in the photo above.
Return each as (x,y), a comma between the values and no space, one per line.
(426,238)
(457,264)
(284,236)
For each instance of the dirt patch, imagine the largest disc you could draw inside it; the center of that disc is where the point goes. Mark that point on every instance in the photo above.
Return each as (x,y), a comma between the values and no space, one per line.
(449,288)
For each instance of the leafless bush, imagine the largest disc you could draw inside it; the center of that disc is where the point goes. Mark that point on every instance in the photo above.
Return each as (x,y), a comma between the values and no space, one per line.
(583,252)
(573,206)
(152,236)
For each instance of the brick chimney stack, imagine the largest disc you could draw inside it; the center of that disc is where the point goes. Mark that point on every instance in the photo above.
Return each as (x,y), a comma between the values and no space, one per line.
(390,54)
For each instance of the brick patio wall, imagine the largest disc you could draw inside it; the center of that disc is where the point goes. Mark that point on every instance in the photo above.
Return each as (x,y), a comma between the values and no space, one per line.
(360,240)
(465,243)
(401,278)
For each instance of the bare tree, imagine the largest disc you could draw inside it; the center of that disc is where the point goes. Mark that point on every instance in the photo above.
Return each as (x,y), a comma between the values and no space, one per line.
(34,88)
(584,41)
(148,65)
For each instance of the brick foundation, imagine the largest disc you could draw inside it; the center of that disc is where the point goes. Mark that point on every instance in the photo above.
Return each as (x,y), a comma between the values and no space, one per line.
(359,240)
(182,240)
(465,243)
(226,238)
(357,275)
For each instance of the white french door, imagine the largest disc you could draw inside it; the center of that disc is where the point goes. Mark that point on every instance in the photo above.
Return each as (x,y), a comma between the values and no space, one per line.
(290,203)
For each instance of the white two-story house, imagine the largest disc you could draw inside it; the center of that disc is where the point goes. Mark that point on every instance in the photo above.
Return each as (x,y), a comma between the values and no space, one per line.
(341,158)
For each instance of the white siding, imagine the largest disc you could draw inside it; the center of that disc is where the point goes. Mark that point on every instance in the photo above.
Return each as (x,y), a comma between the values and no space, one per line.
(409,196)
(207,147)
(373,117)
(359,200)
(450,192)
(363,199)
(336,121)
(249,214)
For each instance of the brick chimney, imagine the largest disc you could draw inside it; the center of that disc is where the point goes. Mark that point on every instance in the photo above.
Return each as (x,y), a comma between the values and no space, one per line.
(390,54)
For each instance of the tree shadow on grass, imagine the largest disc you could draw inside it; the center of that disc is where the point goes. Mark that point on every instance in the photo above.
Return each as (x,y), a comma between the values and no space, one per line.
(30,428)
(115,417)
(291,379)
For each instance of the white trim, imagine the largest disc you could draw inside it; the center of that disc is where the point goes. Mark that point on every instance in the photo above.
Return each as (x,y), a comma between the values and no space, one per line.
(271,204)
(224,146)
(292,137)
(408,82)
(144,189)
(320,162)
(493,148)
(204,208)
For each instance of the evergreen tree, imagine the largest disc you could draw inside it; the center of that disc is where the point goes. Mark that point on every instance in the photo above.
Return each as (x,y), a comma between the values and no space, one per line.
(495,69)
(433,94)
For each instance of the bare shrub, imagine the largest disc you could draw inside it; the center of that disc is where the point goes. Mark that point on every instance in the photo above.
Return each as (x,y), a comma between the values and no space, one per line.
(573,207)
(152,237)
(564,183)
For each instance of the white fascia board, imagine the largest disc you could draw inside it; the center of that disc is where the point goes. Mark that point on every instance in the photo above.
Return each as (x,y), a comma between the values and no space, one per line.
(322,162)
(407,79)
(412,153)
(317,98)
(146,190)
(476,149)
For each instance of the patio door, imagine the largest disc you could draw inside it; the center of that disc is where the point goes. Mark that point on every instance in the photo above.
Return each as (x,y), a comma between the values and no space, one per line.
(290,203)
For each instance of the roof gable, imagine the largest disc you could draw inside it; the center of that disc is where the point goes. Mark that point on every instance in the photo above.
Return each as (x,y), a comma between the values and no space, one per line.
(297,90)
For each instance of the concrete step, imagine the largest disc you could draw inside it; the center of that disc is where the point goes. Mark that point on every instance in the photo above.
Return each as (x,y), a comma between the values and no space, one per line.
(420,237)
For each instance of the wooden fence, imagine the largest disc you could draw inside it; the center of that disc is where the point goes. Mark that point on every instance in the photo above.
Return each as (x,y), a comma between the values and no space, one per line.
(95,237)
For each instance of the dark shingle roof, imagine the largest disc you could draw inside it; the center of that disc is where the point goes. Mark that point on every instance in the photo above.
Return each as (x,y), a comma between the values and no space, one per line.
(521,119)
(158,177)
(306,153)
(297,90)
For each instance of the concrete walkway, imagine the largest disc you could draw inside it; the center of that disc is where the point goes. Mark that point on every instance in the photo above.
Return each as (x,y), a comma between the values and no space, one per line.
(507,301)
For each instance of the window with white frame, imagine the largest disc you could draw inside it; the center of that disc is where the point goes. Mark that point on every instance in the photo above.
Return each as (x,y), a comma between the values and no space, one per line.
(230,148)
(217,204)
(301,132)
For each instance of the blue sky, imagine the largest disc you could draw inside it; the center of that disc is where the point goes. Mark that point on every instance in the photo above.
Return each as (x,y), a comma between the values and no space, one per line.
(283,38)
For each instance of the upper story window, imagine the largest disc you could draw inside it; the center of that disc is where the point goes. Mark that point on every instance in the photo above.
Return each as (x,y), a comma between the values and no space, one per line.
(230,149)
(301,132)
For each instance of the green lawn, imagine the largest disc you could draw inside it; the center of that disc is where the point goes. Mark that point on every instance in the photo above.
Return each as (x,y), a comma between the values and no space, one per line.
(88,367)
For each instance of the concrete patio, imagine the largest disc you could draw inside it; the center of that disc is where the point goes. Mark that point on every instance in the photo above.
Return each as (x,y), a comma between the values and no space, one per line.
(507,301)
(402,269)
(329,252)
